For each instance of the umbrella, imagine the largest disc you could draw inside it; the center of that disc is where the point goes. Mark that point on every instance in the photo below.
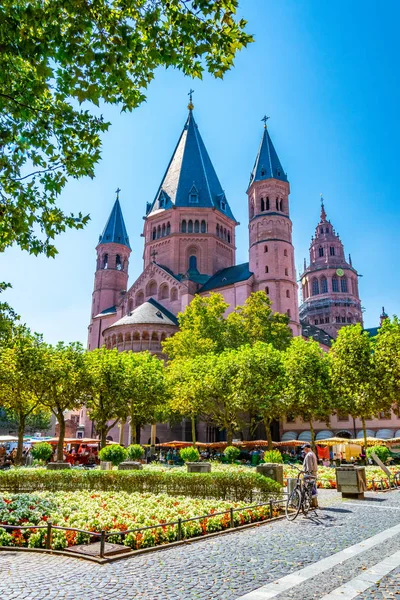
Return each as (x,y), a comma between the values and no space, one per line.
(335,440)
(8,438)
(371,441)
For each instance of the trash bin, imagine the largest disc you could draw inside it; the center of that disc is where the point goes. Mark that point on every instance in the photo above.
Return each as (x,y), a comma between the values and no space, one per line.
(291,484)
(351,481)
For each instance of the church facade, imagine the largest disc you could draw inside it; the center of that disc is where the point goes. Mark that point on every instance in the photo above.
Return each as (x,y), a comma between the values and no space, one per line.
(189,248)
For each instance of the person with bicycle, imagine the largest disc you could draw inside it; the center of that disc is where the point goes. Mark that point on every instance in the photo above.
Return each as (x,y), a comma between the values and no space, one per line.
(310,466)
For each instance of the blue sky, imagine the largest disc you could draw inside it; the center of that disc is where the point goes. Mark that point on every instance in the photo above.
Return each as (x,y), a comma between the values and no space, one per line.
(328,76)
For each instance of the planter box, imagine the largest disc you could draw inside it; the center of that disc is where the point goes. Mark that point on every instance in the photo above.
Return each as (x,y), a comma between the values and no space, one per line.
(351,481)
(130,465)
(198,467)
(106,466)
(272,470)
(58,465)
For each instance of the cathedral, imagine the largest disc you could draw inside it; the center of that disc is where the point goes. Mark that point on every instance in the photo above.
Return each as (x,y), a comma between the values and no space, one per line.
(189,248)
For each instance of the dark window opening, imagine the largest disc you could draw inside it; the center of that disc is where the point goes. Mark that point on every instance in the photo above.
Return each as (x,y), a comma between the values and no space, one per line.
(192,263)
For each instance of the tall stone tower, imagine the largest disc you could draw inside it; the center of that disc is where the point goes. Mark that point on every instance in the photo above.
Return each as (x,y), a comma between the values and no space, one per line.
(189,227)
(271,253)
(111,277)
(329,282)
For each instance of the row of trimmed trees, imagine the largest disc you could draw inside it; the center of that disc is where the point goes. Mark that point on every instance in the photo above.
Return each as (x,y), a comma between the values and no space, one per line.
(231,371)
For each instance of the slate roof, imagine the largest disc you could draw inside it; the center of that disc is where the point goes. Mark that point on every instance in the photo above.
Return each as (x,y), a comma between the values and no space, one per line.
(267,165)
(150,312)
(190,173)
(107,311)
(373,331)
(115,230)
(317,334)
(227,276)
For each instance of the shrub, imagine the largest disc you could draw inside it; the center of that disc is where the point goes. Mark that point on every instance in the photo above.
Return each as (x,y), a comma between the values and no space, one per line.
(231,453)
(42,451)
(273,456)
(381,452)
(135,452)
(189,454)
(232,484)
(113,453)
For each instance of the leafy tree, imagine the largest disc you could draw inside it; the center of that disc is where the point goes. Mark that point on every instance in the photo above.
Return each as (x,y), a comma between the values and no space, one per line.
(185,381)
(231,454)
(260,383)
(189,454)
(202,328)
(386,346)
(21,364)
(105,395)
(63,383)
(256,322)
(114,453)
(39,420)
(56,55)
(135,452)
(355,376)
(8,317)
(145,390)
(308,387)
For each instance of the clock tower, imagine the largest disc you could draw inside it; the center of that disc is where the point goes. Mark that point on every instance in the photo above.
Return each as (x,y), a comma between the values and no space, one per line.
(329,283)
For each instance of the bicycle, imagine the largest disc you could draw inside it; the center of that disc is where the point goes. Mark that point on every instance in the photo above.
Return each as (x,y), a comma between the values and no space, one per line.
(301,495)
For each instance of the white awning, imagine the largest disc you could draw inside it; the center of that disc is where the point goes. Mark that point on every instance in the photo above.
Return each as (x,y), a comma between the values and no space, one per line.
(305,436)
(288,436)
(324,435)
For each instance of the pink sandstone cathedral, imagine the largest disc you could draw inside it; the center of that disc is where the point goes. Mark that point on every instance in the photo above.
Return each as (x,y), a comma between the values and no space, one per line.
(189,248)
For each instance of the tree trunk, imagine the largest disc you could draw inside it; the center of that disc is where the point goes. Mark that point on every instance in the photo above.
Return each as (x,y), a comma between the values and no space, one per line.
(312,438)
(61,436)
(21,429)
(193,419)
(229,436)
(133,432)
(103,436)
(365,435)
(122,433)
(138,432)
(267,425)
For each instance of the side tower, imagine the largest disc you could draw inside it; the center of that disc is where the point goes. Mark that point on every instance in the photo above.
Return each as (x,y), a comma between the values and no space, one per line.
(111,277)
(329,282)
(271,253)
(189,227)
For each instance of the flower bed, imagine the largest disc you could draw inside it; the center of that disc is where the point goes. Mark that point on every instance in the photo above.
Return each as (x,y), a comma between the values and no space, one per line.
(117,512)
(327,477)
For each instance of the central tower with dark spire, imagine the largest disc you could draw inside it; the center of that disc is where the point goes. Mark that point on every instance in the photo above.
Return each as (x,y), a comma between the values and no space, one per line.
(189,227)
(271,253)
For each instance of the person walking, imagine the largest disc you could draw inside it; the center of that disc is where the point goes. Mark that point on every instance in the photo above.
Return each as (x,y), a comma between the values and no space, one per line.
(310,466)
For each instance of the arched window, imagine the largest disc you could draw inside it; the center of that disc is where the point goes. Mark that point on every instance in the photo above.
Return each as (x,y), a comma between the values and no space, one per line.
(287,293)
(332,250)
(174,294)
(321,230)
(343,319)
(281,204)
(288,312)
(267,290)
(287,272)
(326,229)
(105,261)
(136,336)
(139,298)
(154,233)
(163,230)
(262,205)
(196,226)
(265,248)
(168,231)
(267,204)
(335,284)
(324,285)
(192,263)
(154,336)
(285,253)
(320,251)
(158,231)
(343,284)
(217,230)
(315,287)
(127,337)
(130,305)
(266,269)
(151,289)
(203,227)
(349,319)
(163,292)
(277,203)
(183,226)
(229,237)
(190,226)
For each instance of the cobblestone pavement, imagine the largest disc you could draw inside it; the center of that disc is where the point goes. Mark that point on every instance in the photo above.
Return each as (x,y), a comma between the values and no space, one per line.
(220,568)
(388,587)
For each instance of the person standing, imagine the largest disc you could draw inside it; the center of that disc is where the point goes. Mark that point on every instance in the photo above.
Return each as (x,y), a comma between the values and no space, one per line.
(310,466)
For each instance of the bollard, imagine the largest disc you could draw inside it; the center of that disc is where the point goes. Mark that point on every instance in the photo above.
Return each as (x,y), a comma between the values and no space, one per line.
(48,537)
(231,517)
(179,529)
(271,510)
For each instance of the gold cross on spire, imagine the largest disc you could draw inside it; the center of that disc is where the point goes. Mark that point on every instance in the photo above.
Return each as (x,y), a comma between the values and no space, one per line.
(265,119)
(117,191)
(190,94)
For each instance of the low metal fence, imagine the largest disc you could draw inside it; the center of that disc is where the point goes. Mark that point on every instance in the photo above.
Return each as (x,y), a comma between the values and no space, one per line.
(103,535)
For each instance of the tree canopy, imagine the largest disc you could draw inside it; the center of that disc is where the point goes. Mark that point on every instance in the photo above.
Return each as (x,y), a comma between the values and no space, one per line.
(56,55)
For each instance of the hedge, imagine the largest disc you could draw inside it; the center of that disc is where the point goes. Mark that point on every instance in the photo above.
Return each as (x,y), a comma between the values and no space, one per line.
(246,487)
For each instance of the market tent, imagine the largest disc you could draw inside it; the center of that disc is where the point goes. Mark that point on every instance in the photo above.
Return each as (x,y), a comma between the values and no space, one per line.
(371,441)
(257,444)
(289,443)
(324,435)
(69,441)
(7,438)
(385,434)
(289,435)
(370,433)
(305,436)
(333,441)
